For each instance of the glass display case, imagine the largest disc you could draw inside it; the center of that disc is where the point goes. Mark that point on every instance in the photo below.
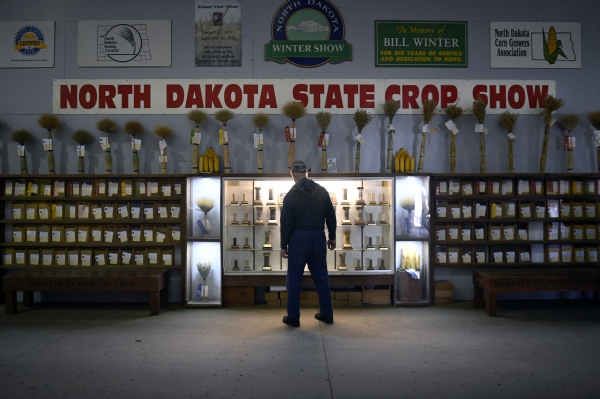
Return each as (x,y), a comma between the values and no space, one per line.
(203,271)
(364,235)
(412,241)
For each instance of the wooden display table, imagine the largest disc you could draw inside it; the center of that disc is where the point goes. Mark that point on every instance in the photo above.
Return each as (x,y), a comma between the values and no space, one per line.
(31,281)
(531,280)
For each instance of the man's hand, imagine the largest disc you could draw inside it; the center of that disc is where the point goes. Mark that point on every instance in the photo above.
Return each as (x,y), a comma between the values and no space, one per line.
(331,244)
(284,253)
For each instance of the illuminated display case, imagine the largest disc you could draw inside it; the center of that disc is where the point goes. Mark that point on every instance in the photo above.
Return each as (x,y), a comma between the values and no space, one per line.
(412,241)
(204,273)
(364,235)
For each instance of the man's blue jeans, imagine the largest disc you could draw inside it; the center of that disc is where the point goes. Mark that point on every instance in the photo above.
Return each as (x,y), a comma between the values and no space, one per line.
(308,247)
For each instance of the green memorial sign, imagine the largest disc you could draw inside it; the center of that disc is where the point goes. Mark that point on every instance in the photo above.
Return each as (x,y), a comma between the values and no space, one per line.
(421,44)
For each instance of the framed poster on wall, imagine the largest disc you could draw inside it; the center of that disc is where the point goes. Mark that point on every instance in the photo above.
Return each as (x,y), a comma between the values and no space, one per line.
(27,44)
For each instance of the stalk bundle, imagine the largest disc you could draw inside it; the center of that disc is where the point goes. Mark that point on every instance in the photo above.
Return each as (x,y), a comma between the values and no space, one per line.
(293,110)
(362,119)
(508,121)
(223,116)
(479,113)
(134,128)
(594,118)
(50,122)
(453,112)
(323,120)
(197,116)
(22,136)
(569,122)
(81,137)
(429,110)
(163,132)
(390,107)
(260,120)
(551,105)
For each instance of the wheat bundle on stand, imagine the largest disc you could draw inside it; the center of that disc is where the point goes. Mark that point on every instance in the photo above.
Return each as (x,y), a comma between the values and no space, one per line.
(22,137)
(479,113)
(50,123)
(163,132)
(197,116)
(323,120)
(106,126)
(569,122)
(429,110)
(362,119)
(205,205)
(453,112)
(551,105)
(293,110)
(204,271)
(260,120)
(223,116)
(594,118)
(390,107)
(81,137)
(134,128)
(508,121)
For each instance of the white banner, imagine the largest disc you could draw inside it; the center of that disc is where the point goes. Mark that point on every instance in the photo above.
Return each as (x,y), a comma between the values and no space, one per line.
(27,44)
(535,44)
(248,96)
(124,43)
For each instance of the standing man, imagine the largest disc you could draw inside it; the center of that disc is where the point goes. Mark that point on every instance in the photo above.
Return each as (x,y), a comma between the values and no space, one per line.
(305,209)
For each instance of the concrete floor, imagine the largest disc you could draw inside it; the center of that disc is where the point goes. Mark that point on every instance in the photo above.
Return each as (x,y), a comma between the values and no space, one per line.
(533,349)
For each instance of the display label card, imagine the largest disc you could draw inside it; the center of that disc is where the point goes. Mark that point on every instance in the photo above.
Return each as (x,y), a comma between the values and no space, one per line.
(441,212)
(167,259)
(466,234)
(176,235)
(136,235)
(139,260)
(453,233)
(123,212)
(47,260)
(30,212)
(100,260)
(509,234)
(593,255)
(31,236)
(60,260)
(579,255)
(154,187)
(466,211)
(148,235)
(44,213)
(590,233)
(113,188)
(578,211)
(97,212)
(162,212)
(523,234)
(590,211)
(82,236)
(122,235)
(553,234)
(44,236)
(166,191)
(47,144)
(510,210)
(128,189)
(498,257)
(479,234)
(86,260)
(104,143)
(34,259)
(480,257)
(526,212)
(466,258)
(510,257)
(452,127)
(153,258)
(160,237)
(453,257)
(96,235)
(126,257)
(19,189)
(495,235)
(453,188)
(441,235)
(108,212)
(455,213)
(540,211)
(564,187)
(70,236)
(443,187)
(108,236)
(113,258)
(175,212)
(468,189)
(73,259)
(17,236)
(482,210)
(578,233)
(135,212)
(177,186)
(101,188)
(566,255)
(149,213)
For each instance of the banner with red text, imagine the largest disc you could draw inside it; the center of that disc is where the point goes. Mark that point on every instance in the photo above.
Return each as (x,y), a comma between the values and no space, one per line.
(249,96)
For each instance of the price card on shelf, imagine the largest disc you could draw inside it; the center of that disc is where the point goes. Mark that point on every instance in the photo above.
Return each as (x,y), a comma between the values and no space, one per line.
(166,191)
(453,257)
(160,237)
(509,233)
(122,235)
(73,259)
(136,235)
(108,236)
(17,236)
(139,260)
(17,214)
(96,235)
(495,235)
(47,260)
(443,187)
(82,236)
(70,236)
(441,212)
(479,234)
(553,234)
(175,212)
(44,213)
(109,212)
(466,258)
(97,213)
(126,257)
(30,213)
(148,235)
(149,213)
(466,211)
(167,259)
(34,259)
(176,235)
(113,258)
(593,255)
(441,235)
(453,233)
(510,256)
(466,234)
(480,257)
(44,236)
(498,257)
(8,188)
(86,260)
(56,236)
(153,258)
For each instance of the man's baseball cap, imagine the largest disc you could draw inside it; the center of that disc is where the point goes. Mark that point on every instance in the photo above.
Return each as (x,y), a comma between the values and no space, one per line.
(299,167)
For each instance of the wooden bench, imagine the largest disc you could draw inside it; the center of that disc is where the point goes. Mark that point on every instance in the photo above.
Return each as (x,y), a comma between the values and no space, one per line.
(30,281)
(531,280)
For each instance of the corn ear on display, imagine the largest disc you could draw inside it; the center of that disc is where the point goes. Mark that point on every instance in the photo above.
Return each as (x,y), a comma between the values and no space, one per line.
(403,162)
(209,162)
